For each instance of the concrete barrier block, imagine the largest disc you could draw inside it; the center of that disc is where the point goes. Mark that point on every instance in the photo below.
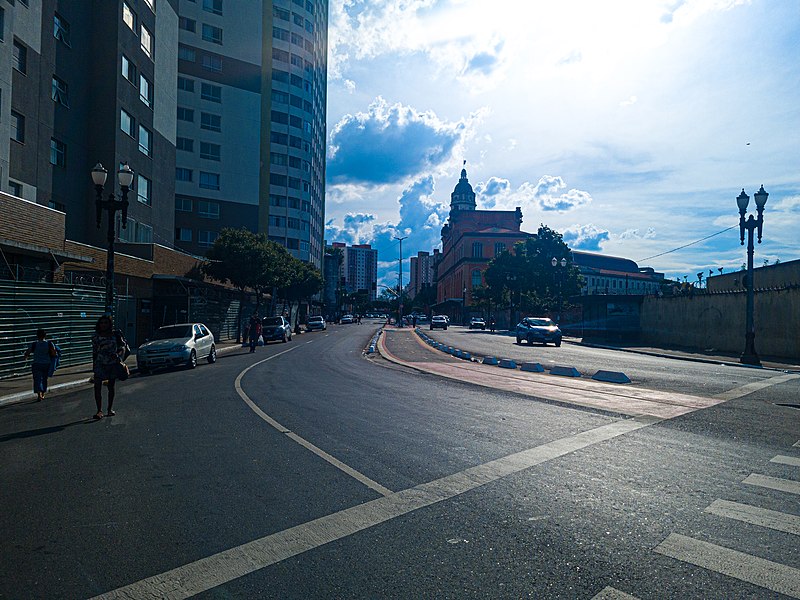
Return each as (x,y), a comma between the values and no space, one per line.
(532,367)
(611,377)
(489,360)
(565,371)
(507,363)
(466,356)
(457,353)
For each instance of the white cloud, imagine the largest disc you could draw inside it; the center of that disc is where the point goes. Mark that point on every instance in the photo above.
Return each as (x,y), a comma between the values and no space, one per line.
(633,234)
(350,85)
(630,101)
(585,237)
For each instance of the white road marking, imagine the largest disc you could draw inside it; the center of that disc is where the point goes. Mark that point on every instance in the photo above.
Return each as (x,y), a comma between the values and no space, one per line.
(610,593)
(374,485)
(756,516)
(218,569)
(755,386)
(773,483)
(745,567)
(796,444)
(792,461)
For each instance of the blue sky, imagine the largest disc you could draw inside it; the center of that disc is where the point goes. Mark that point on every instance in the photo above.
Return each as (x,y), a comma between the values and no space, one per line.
(629,126)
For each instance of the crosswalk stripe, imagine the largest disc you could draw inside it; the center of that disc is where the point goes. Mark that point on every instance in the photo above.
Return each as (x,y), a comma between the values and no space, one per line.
(792,461)
(745,567)
(756,516)
(796,444)
(610,593)
(773,483)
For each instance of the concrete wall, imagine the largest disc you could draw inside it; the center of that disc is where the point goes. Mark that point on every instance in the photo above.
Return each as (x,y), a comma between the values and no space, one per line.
(718,321)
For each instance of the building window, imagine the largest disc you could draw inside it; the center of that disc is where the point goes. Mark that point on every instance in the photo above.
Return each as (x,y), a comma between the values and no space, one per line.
(127,123)
(280,13)
(60,91)
(185,114)
(128,69)
(212,63)
(208,210)
(145,90)
(186,53)
(143,190)
(187,24)
(275,200)
(58,153)
(213,6)
(184,144)
(61,28)
(185,84)
(276,221)
(476,278)
(209,151)
(143,234)
(183,204)
(209,181)
(15,188)
(293,223)
(17,127)
(129,17)
(477,250)
(206,238)
(145,141)
(212,34)
(212,93)
(20,57)
(280,33)
(499,248)
(147,41)
(210,122)
(183,174)
(151,4)
(183,234)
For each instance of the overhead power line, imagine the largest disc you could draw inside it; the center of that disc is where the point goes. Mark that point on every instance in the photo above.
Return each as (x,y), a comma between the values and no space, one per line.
(708,237)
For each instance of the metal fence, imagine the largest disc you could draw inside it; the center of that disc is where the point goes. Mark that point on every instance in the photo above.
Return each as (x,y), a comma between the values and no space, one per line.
(67,312)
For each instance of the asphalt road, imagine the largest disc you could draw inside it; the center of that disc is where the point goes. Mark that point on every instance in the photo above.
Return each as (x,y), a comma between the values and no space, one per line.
(654,372)
(346,477)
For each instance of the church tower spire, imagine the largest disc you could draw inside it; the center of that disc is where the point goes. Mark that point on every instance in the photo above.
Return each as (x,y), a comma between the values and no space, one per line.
(463,196)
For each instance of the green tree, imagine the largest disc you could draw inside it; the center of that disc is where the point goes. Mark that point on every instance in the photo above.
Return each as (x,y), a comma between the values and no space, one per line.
(303,281)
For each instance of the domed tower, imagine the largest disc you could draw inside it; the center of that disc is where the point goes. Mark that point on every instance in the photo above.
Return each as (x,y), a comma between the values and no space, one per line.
(463,197)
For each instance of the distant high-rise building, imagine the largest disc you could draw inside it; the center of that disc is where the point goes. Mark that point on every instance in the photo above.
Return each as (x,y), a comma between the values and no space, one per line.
(87,82)
(359,269)
(422,272)
(251,131)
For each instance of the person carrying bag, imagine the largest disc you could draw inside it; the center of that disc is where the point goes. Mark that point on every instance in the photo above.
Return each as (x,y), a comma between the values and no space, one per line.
(44,353)
(108,351)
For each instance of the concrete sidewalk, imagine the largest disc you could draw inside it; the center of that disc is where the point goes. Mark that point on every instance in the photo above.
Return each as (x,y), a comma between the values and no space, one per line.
(20,389)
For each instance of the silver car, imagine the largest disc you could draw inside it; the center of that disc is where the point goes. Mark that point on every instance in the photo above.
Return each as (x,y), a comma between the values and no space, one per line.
(175,345)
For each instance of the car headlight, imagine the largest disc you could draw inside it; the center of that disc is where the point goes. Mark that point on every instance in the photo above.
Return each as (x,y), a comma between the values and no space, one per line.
(178,348)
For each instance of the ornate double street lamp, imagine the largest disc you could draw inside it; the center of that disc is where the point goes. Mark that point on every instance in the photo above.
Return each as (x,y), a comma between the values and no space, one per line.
(560,278)
(749,356)
(112,205)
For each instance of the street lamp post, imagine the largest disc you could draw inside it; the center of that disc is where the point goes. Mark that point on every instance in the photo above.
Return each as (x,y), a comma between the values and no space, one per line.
(749,356)
(464,306)
(559,275)
(511,282)
(400,284)
(111,206)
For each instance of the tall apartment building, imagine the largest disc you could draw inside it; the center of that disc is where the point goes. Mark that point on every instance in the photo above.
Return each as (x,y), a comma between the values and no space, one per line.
(359,268)
(422,271)
(252,94)
(83,82)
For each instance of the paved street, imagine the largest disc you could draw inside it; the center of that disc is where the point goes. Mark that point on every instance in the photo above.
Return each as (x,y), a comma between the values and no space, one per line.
(308,471)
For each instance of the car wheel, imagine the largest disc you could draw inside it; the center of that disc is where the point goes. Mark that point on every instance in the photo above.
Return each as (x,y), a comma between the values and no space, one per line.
(530,341)
(144,371)
(519,340)
(558,343)
(212,356)
(192,360)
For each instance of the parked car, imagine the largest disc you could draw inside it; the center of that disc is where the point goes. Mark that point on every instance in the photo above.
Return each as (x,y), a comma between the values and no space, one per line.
(439,321)
(538,329)
(477,323)
(276,328)
(174,345)
(316,323)
(347,319)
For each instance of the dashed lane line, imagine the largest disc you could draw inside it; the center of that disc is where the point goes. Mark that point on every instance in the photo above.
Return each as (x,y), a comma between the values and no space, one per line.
(773,483)
(218,569)
(755,515)
(792,461)
(360,477)
(745,567)
(610,593)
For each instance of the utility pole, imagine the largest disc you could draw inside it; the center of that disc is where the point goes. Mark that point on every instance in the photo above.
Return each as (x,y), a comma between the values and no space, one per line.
(400,284)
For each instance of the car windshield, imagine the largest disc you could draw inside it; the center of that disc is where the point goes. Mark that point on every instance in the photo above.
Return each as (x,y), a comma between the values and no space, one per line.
(540,322)
(315,318)
(272,321)
(175,331)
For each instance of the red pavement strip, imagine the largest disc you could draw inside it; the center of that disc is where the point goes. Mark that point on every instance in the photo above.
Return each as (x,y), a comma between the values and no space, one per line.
(626,400)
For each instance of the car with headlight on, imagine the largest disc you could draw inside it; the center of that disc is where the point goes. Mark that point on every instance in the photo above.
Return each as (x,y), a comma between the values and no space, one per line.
(477,323)
(183,344)
(439,322)
(276,328)
(539,330)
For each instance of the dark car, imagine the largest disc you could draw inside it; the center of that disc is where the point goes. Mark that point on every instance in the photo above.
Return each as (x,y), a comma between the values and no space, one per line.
(276,328)
(477,323)
(539,330)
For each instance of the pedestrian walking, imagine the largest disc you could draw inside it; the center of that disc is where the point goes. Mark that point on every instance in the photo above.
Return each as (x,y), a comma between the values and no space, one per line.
(492,324)
(44,352)
(108,353)
(254,331)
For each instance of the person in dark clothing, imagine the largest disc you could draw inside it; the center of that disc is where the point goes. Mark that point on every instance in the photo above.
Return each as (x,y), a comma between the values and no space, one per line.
(254,331)
(43,352)
(108,348)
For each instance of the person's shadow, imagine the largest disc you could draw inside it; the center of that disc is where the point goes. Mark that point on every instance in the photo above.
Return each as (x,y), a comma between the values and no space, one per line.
(20,435)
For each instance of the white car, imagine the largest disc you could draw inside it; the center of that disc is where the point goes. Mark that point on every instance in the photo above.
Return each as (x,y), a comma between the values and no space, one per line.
(347,319)
(174,345)
(316,322)
(439,321)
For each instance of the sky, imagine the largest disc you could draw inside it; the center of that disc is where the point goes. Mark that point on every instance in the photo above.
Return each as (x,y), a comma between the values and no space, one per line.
(630,126)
